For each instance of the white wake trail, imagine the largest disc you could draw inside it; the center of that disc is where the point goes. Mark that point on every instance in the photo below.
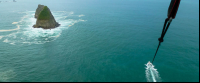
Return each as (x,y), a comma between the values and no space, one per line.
(152,74)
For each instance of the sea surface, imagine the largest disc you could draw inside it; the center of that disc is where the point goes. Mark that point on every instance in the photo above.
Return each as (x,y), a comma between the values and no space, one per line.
(98,41)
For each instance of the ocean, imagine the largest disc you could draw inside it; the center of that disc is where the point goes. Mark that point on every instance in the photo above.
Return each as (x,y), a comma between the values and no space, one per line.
(98,41)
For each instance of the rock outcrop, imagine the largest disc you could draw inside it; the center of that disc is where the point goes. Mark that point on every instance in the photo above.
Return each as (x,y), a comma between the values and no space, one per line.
(38,10)
(44,18)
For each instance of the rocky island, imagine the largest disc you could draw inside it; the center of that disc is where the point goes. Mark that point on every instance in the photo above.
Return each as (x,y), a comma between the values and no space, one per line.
(44,18)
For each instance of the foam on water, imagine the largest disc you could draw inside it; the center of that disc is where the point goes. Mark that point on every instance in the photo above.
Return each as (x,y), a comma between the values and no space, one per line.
(14,22)
(1,37)
(26,34)
(7,75)
(81,15)
(18,27)
(152,74)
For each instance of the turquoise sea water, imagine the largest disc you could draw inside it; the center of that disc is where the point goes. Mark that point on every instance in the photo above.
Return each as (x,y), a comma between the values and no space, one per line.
(98,40)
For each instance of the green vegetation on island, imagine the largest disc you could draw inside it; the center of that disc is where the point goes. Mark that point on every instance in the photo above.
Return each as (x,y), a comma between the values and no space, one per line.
(44,14)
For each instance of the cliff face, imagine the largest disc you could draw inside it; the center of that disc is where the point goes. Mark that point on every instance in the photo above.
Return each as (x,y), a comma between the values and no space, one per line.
(44,18)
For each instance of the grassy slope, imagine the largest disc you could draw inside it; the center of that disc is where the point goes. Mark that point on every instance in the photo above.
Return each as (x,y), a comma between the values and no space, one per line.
(44,14)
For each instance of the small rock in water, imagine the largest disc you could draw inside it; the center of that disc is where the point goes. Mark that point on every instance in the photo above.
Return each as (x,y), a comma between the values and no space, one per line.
(44,18)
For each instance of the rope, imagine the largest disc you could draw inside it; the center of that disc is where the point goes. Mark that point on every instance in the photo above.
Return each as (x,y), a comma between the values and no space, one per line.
(156,51)
(165,28)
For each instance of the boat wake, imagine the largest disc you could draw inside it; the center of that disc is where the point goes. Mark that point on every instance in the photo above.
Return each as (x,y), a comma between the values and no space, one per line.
(26,34)
(152,74)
